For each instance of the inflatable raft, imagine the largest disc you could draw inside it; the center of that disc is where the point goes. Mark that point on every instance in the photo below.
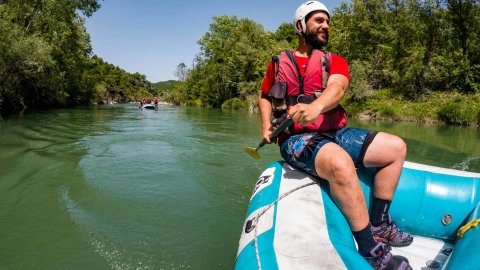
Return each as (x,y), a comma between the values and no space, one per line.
(149,106)
(292,222)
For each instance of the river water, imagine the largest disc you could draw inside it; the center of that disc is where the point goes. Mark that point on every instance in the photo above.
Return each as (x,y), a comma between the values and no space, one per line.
(114,187)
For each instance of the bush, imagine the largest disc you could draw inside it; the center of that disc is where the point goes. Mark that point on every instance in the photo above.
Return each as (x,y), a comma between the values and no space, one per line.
(192,103)
(478,118)
(473,79)
(387,112)
(359,89)
(456,114)
(235,103)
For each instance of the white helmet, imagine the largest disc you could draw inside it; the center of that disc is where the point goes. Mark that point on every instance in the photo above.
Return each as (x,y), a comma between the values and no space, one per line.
(305,9)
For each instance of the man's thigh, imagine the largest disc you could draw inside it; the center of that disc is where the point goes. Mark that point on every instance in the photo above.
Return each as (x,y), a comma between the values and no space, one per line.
(384,150)
(300,150)
(355,141)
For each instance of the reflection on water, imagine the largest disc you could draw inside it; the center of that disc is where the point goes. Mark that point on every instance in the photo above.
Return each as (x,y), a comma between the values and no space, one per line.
(113,187)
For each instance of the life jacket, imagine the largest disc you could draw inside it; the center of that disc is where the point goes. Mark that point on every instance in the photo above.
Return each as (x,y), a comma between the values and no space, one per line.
(291,87)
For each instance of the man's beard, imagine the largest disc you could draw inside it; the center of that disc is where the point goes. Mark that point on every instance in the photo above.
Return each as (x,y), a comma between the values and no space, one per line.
(311,37)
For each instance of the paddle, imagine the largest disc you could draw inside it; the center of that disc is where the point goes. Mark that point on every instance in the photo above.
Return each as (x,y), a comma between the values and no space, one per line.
(253,152)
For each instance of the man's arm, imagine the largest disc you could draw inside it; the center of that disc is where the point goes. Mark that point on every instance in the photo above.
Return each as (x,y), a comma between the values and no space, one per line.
(332,95)
(265,105)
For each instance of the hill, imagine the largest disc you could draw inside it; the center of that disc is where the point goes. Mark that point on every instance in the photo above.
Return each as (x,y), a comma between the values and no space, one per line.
(164,87)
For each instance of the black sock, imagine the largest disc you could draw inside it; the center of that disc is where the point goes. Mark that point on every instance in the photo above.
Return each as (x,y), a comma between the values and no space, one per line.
(379,211)
(365,240)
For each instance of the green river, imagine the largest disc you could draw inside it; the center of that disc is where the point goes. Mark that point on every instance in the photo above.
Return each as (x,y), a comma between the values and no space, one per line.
(114,187)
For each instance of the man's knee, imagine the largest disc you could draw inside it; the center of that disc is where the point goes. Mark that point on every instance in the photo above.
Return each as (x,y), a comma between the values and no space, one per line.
(338,167)
(398,146)
(390,146)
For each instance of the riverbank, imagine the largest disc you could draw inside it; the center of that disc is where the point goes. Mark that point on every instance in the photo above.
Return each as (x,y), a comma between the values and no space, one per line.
(434,107)
(449,108)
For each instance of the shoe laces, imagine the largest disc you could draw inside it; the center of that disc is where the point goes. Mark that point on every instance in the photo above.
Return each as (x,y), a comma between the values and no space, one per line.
(388,228)
(392,228)
(379,257)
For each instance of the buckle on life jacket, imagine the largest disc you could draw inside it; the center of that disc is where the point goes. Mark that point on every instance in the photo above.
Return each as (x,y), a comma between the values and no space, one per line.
(293,100)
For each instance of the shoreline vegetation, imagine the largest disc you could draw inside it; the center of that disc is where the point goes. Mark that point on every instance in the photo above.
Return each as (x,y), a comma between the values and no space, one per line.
(409,60)
(434,108)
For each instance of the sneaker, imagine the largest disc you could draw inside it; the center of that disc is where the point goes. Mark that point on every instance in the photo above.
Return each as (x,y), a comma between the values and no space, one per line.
(380,258)
(389,234)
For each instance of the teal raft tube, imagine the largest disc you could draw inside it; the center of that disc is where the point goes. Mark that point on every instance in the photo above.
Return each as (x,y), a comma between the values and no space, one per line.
(293,223)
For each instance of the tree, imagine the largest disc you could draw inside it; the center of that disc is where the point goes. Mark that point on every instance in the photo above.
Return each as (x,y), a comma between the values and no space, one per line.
(232,60)
(464,15)
(411,46)
(45,51)
(286,33)
(181,72)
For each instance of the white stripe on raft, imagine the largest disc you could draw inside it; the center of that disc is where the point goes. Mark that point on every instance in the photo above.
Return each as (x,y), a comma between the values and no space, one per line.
(301,236)
(433,169)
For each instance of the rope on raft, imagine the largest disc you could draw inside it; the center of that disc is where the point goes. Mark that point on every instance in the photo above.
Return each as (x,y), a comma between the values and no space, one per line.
(253,222)
(473,223)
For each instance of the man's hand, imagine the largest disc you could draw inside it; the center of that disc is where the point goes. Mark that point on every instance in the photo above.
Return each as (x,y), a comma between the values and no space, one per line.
(266,135)
(304,114)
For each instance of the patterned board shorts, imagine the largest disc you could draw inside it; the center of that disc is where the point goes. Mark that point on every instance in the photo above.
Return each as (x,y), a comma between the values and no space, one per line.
(300,150)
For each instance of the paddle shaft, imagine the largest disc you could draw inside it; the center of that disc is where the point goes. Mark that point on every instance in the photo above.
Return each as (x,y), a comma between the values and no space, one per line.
(277,131)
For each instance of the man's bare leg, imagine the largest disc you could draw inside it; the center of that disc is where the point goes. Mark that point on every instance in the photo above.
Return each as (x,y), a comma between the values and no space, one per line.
(387,152)
(336,166)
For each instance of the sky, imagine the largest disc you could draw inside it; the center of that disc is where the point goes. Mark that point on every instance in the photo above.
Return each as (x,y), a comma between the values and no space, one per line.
(153,37)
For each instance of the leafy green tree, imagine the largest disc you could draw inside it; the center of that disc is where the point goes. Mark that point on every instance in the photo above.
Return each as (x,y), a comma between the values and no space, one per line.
(45,53)
(181,72)
(464,16)
(233,57)
(114,83)
(412,46)
(286,37)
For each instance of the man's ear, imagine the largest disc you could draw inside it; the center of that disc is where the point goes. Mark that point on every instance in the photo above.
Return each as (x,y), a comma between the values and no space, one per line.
(299,26)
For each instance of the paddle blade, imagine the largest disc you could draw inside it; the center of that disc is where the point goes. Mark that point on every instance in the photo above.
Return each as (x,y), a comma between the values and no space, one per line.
(252,152)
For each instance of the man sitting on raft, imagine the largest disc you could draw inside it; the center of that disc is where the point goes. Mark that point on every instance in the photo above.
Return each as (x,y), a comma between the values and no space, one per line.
(319,142)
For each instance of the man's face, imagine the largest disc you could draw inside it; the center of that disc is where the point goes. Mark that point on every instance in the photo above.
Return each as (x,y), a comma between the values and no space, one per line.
(317,29)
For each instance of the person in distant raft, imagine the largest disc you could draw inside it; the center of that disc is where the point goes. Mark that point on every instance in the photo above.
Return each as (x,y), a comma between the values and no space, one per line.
(307,85)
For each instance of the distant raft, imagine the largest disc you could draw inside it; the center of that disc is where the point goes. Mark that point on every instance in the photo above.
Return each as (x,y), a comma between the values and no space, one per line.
(149,107)
(292,222)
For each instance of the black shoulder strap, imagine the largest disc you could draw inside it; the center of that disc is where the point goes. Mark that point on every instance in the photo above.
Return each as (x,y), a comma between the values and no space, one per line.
(276,63)
(299,74)
(325,61)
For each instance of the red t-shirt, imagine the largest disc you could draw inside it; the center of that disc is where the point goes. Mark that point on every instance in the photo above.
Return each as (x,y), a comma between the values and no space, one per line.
(338,65)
